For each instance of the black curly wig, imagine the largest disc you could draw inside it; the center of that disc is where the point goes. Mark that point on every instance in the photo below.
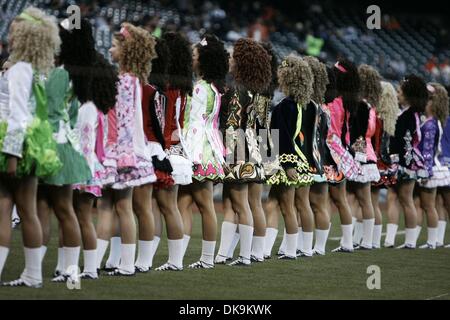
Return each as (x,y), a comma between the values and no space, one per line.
(180,65)
(160,65)
(415,92)
(348,84)
(331,92)
(78,56)
(213,60)
(104,80)
(274,67)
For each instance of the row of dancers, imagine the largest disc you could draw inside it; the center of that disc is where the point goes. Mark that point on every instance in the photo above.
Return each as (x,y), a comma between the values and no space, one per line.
(146,141)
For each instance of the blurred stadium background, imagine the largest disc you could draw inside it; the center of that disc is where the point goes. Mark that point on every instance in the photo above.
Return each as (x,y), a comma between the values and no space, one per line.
(413,37)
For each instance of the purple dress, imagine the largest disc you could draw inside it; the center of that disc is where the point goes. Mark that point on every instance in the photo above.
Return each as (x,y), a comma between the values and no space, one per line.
(429,147)
(444,156)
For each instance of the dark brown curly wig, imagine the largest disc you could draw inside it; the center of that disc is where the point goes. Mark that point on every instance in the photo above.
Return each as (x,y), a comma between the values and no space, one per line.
(273,67)
(251,69)
(78,56)
(180,65)
(213,60)
(160,65)
(348,85)
(104,79)
(415,92)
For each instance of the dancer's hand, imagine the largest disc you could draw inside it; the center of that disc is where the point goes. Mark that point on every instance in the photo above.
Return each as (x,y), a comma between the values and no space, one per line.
(11,166)
(292,174)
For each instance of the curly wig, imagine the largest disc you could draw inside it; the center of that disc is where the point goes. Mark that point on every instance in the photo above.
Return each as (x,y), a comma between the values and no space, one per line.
(34,39)
(104,79)
(296,79)
(180,66)
(251,68)
(387,108)
(348,85)
(319,71)
(415,92)
(439,102)
(160,65)
(137,51)
(273,67)
(213,60)
(370,84)
(78,56)
(331,91)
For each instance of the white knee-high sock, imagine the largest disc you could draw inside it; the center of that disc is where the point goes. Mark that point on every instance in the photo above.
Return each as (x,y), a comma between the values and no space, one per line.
(282,248)
(300,239)
(102,245)
(411,236)
(90,261)
(127,256)
(43,252)
(33,265)
(208,248)
(307,243)
(367,239)
(246,233)
(432,236)
(391,232)
(3,255)
(321,240)
(234,244)
(115,253)
(358,231)
(156,241)
(176,252)
(291,244)
(60,265)
(186,239)
(347,239)
(271,236)
(258,247)
(71,259)
(145,249)
(226,237)
(377,230)
(418,230)
(441,231)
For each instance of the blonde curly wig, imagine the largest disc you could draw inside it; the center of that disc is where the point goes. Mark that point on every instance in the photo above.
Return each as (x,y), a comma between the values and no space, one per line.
(439,102)
(296,79)
(319,71)
(370,84)
(388,109)
(137,51)
(34,39)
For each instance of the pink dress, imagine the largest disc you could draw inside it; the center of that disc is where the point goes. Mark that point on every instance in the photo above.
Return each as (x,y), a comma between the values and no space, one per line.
(365,153)
(339,152)
(127,162)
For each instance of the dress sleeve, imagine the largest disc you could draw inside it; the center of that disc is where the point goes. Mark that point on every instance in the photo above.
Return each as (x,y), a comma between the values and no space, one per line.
(86,129)
(20,79)
(233,123)
(429,131)
(125,109)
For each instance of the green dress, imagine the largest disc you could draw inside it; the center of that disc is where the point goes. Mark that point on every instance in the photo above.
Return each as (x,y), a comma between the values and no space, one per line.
(62,115)
(26,133)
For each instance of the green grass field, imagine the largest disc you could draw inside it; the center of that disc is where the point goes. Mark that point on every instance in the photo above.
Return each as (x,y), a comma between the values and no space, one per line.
(417,274)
